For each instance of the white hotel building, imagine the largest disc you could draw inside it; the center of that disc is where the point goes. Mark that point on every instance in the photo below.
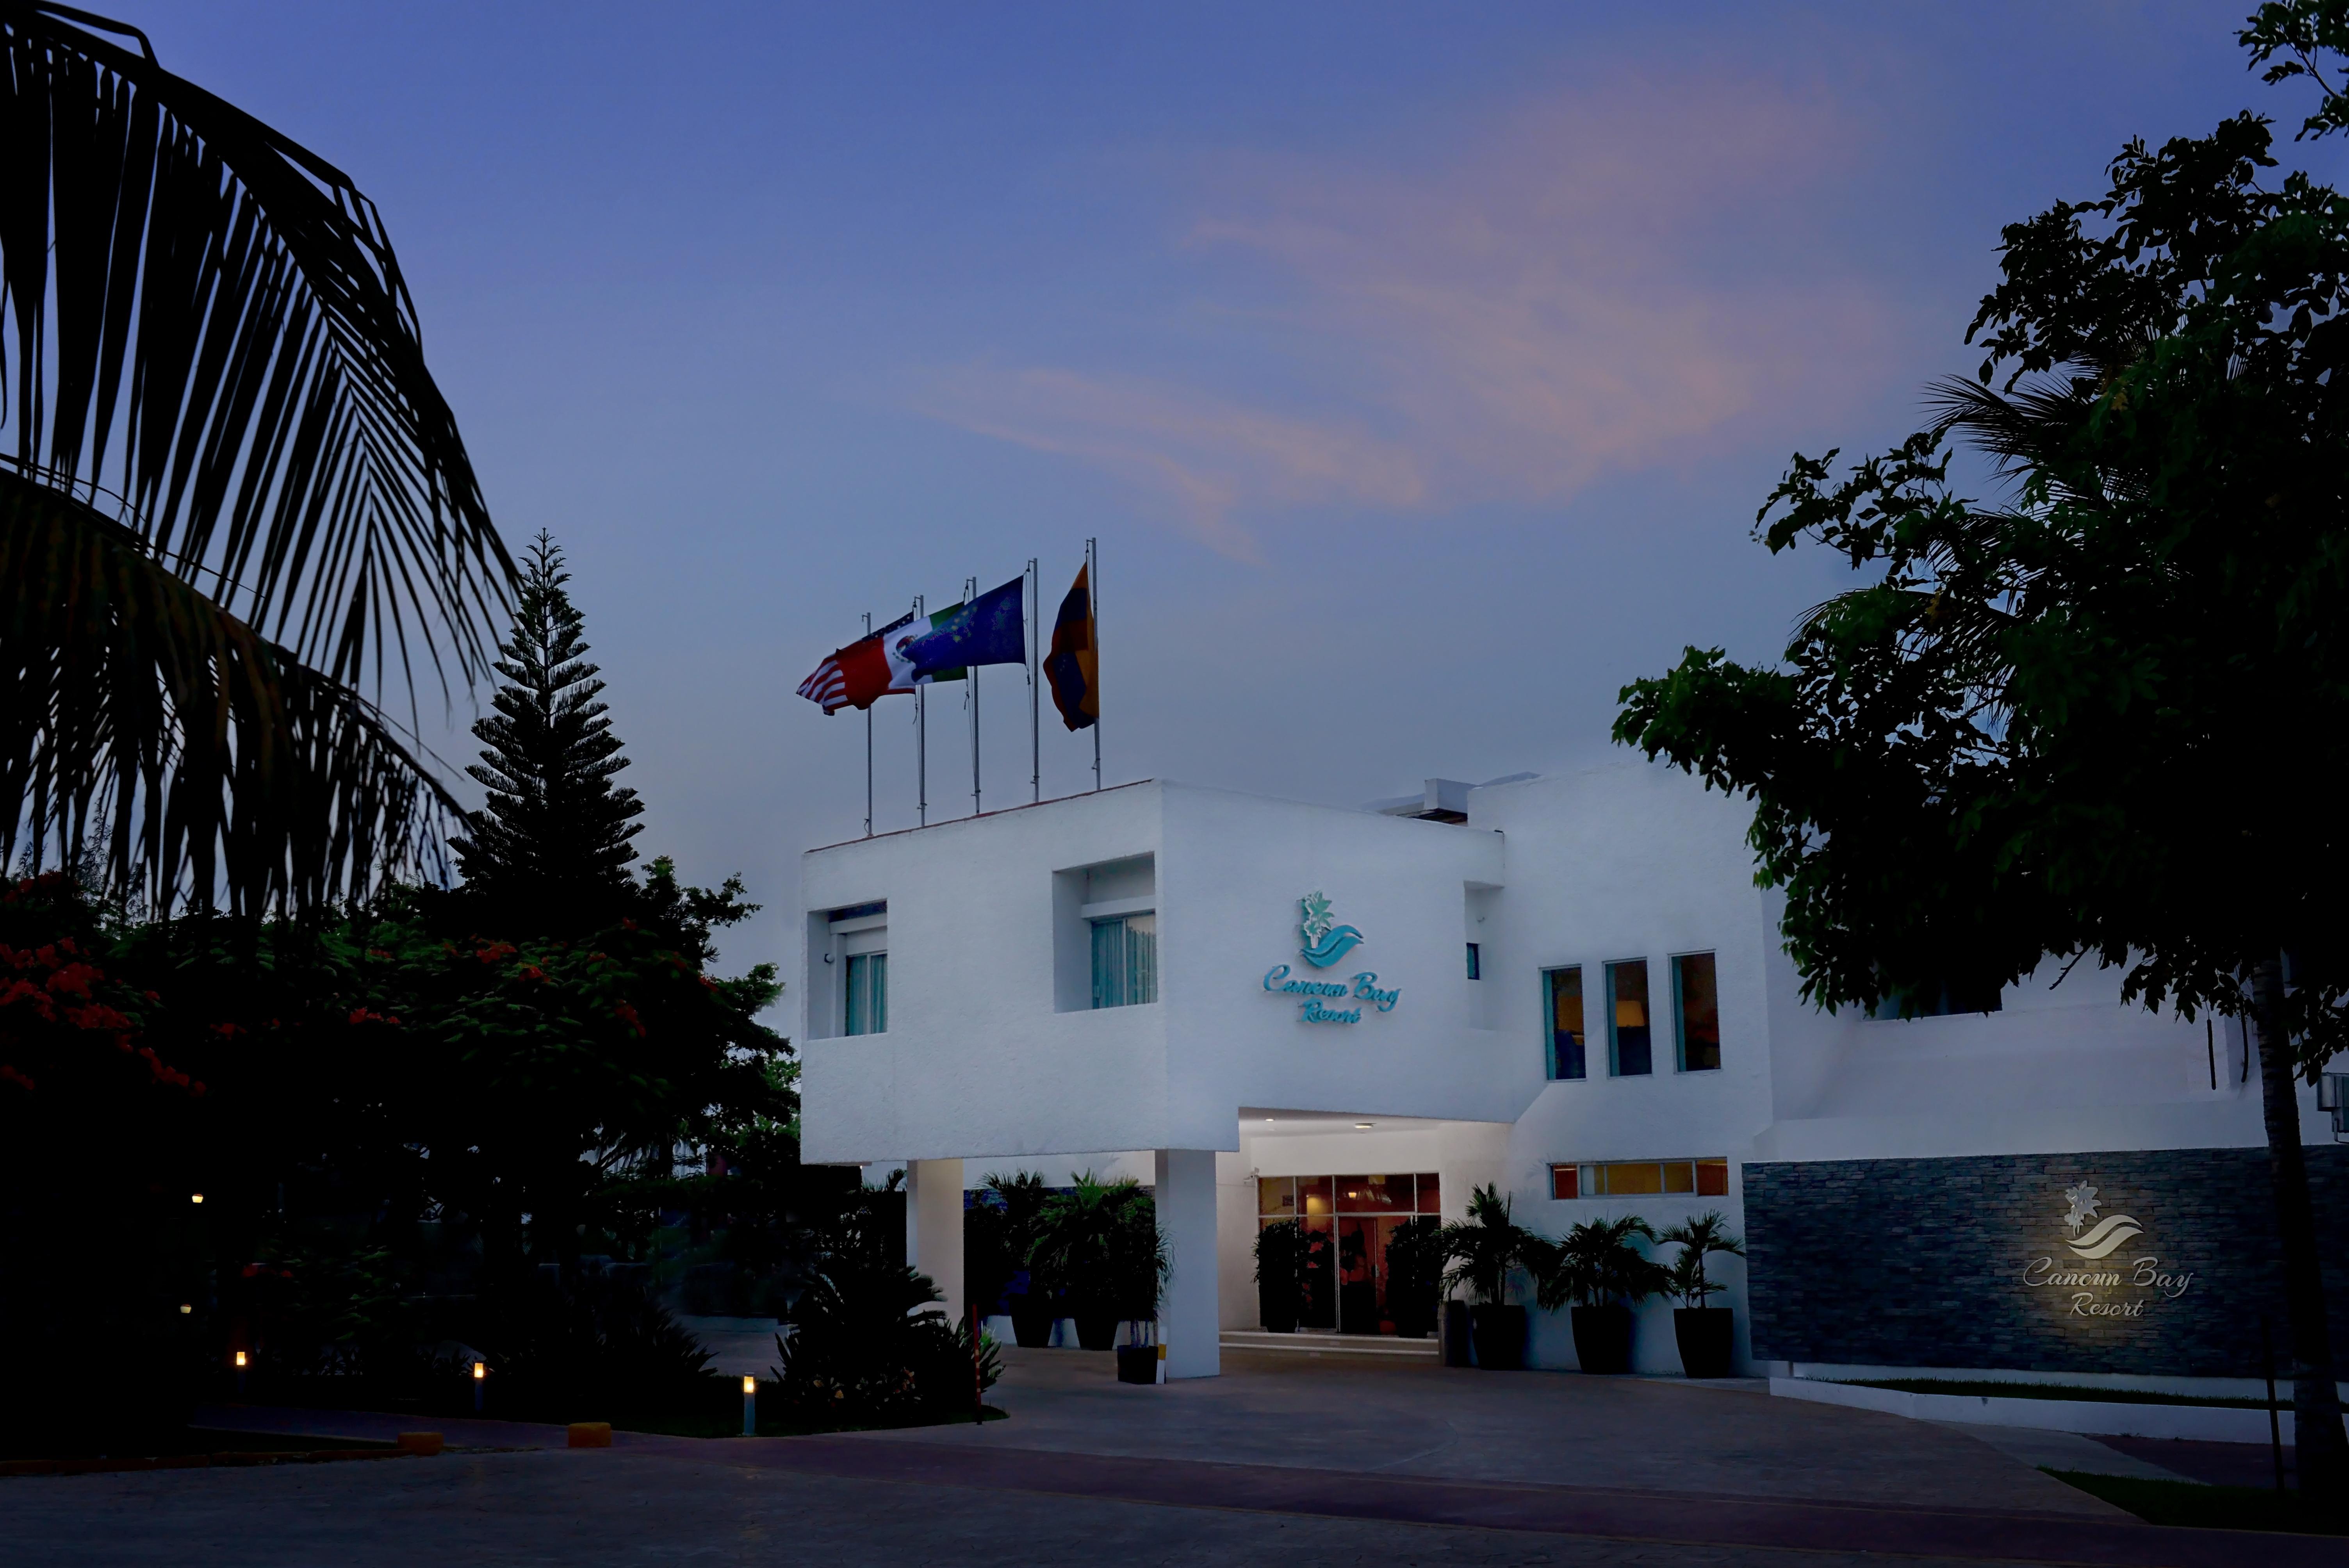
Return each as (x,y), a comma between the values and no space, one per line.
(1578,994)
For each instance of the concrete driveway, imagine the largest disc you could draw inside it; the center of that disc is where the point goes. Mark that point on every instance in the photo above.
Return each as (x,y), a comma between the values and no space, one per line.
(1309,1461)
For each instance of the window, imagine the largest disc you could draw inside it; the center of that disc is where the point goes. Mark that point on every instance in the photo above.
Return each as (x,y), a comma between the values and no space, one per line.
(868,993)
(1937,1002)
(1641,1177)
(1125,960)
(1475,963)
(1629,1053)
(1696,1013)
(1566,1058)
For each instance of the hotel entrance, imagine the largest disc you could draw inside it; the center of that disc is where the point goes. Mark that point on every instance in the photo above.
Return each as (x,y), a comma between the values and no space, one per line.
(1345,1223)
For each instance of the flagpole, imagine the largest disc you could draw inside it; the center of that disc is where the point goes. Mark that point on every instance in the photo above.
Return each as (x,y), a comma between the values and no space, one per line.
(921,743)
(1035,607)
(868,746)
(1093,590)
(969,594)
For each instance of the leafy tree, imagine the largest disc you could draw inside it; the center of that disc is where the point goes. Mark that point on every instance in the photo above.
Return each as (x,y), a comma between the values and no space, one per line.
(234,503)
(2106,715)
(550,850)
(96,1132)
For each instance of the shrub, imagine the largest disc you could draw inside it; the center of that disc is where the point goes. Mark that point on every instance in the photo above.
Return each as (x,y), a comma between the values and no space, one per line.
(862,1348)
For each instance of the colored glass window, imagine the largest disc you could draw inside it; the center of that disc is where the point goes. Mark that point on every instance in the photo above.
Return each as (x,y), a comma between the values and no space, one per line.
(1629,1049)
(1566,1182)
(1696,1012)
(1712,1178)
(1475,962)
(1565,1054)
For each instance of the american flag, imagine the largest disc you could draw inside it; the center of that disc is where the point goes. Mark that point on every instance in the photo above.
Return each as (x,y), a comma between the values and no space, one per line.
(855,676)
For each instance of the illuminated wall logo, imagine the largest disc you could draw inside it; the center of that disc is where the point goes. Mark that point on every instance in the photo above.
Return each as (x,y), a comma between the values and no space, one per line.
(1326,942)
(2107,1236)
(2094,1282)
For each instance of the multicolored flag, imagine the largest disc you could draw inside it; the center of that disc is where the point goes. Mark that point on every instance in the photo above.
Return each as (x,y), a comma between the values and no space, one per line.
(897,645)
(991,630)
(855,676)
(1070,665)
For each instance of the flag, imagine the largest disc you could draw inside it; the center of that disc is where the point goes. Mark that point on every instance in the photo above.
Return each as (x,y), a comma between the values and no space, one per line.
(903,676)
(855,676)
(1069,666)
(991,630)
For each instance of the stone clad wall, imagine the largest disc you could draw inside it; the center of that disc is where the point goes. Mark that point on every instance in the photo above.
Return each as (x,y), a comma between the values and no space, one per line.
(1965,1262)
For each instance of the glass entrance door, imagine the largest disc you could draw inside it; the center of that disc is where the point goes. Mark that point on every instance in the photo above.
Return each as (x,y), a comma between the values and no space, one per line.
(1346,1224)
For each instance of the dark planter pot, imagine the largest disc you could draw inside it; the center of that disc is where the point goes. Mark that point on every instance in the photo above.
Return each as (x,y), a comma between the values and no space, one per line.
(1276,1308)
(1032,1321)
(1455,1334)
(1096,1332)
(1602,1338)
(1137,1363)
(1500,1334)
(1708,1339)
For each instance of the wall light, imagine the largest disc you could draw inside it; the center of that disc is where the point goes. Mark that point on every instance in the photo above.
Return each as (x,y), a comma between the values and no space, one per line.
(1363,1125)
(185,1308)
(195,1197)
(239,1360)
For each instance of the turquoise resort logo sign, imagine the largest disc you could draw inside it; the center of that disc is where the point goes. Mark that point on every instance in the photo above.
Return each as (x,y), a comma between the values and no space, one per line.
(1327,941)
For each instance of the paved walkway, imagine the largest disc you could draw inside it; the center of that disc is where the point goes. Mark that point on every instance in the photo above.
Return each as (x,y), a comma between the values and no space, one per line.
(1313,1462)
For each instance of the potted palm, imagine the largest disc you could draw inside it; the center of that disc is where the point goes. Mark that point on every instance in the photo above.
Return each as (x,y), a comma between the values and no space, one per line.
(1601,1274)
(1414,1269)
(1279,1258)
(1138,1266)
(1076,1248)
(1034,1304)
(1483,1250)
(1707,1333)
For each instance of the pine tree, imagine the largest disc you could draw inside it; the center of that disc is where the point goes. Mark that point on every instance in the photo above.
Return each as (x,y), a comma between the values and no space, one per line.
(549,852)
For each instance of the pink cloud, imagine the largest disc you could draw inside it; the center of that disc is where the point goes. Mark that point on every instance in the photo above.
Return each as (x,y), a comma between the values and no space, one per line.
(1601,282)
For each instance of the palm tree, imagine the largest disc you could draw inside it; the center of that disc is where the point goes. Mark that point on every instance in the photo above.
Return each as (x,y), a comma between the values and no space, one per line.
(234,508)
(1708,1233)
(1485,1249)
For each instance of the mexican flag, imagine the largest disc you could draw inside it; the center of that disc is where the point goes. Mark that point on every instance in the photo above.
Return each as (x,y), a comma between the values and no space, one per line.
(898,638)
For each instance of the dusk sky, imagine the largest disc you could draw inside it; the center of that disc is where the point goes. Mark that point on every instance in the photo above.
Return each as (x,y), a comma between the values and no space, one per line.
(1419,368)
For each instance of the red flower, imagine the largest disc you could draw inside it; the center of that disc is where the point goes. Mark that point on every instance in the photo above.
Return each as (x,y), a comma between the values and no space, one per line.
(533,971)
(12,1075)
(627,1013)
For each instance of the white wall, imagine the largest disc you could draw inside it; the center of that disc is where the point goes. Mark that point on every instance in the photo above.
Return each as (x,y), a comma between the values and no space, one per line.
(982,1059)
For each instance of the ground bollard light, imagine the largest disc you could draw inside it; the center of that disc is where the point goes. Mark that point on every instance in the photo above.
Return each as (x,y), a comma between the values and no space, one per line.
(240,1373)
(481,1376)
(750,1406)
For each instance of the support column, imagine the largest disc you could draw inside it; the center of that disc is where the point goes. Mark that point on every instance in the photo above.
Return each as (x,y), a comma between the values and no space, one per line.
(1188,1319)
(933,1226)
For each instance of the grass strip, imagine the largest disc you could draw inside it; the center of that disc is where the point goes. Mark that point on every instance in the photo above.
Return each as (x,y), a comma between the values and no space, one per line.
(2195,1507)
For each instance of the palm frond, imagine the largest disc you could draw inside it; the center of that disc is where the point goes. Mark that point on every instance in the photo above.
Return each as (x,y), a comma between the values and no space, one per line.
(197,757)
(207,319)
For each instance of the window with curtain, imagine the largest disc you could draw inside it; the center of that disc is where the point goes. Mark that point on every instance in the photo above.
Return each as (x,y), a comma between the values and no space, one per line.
(868,993)
(1125,960)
